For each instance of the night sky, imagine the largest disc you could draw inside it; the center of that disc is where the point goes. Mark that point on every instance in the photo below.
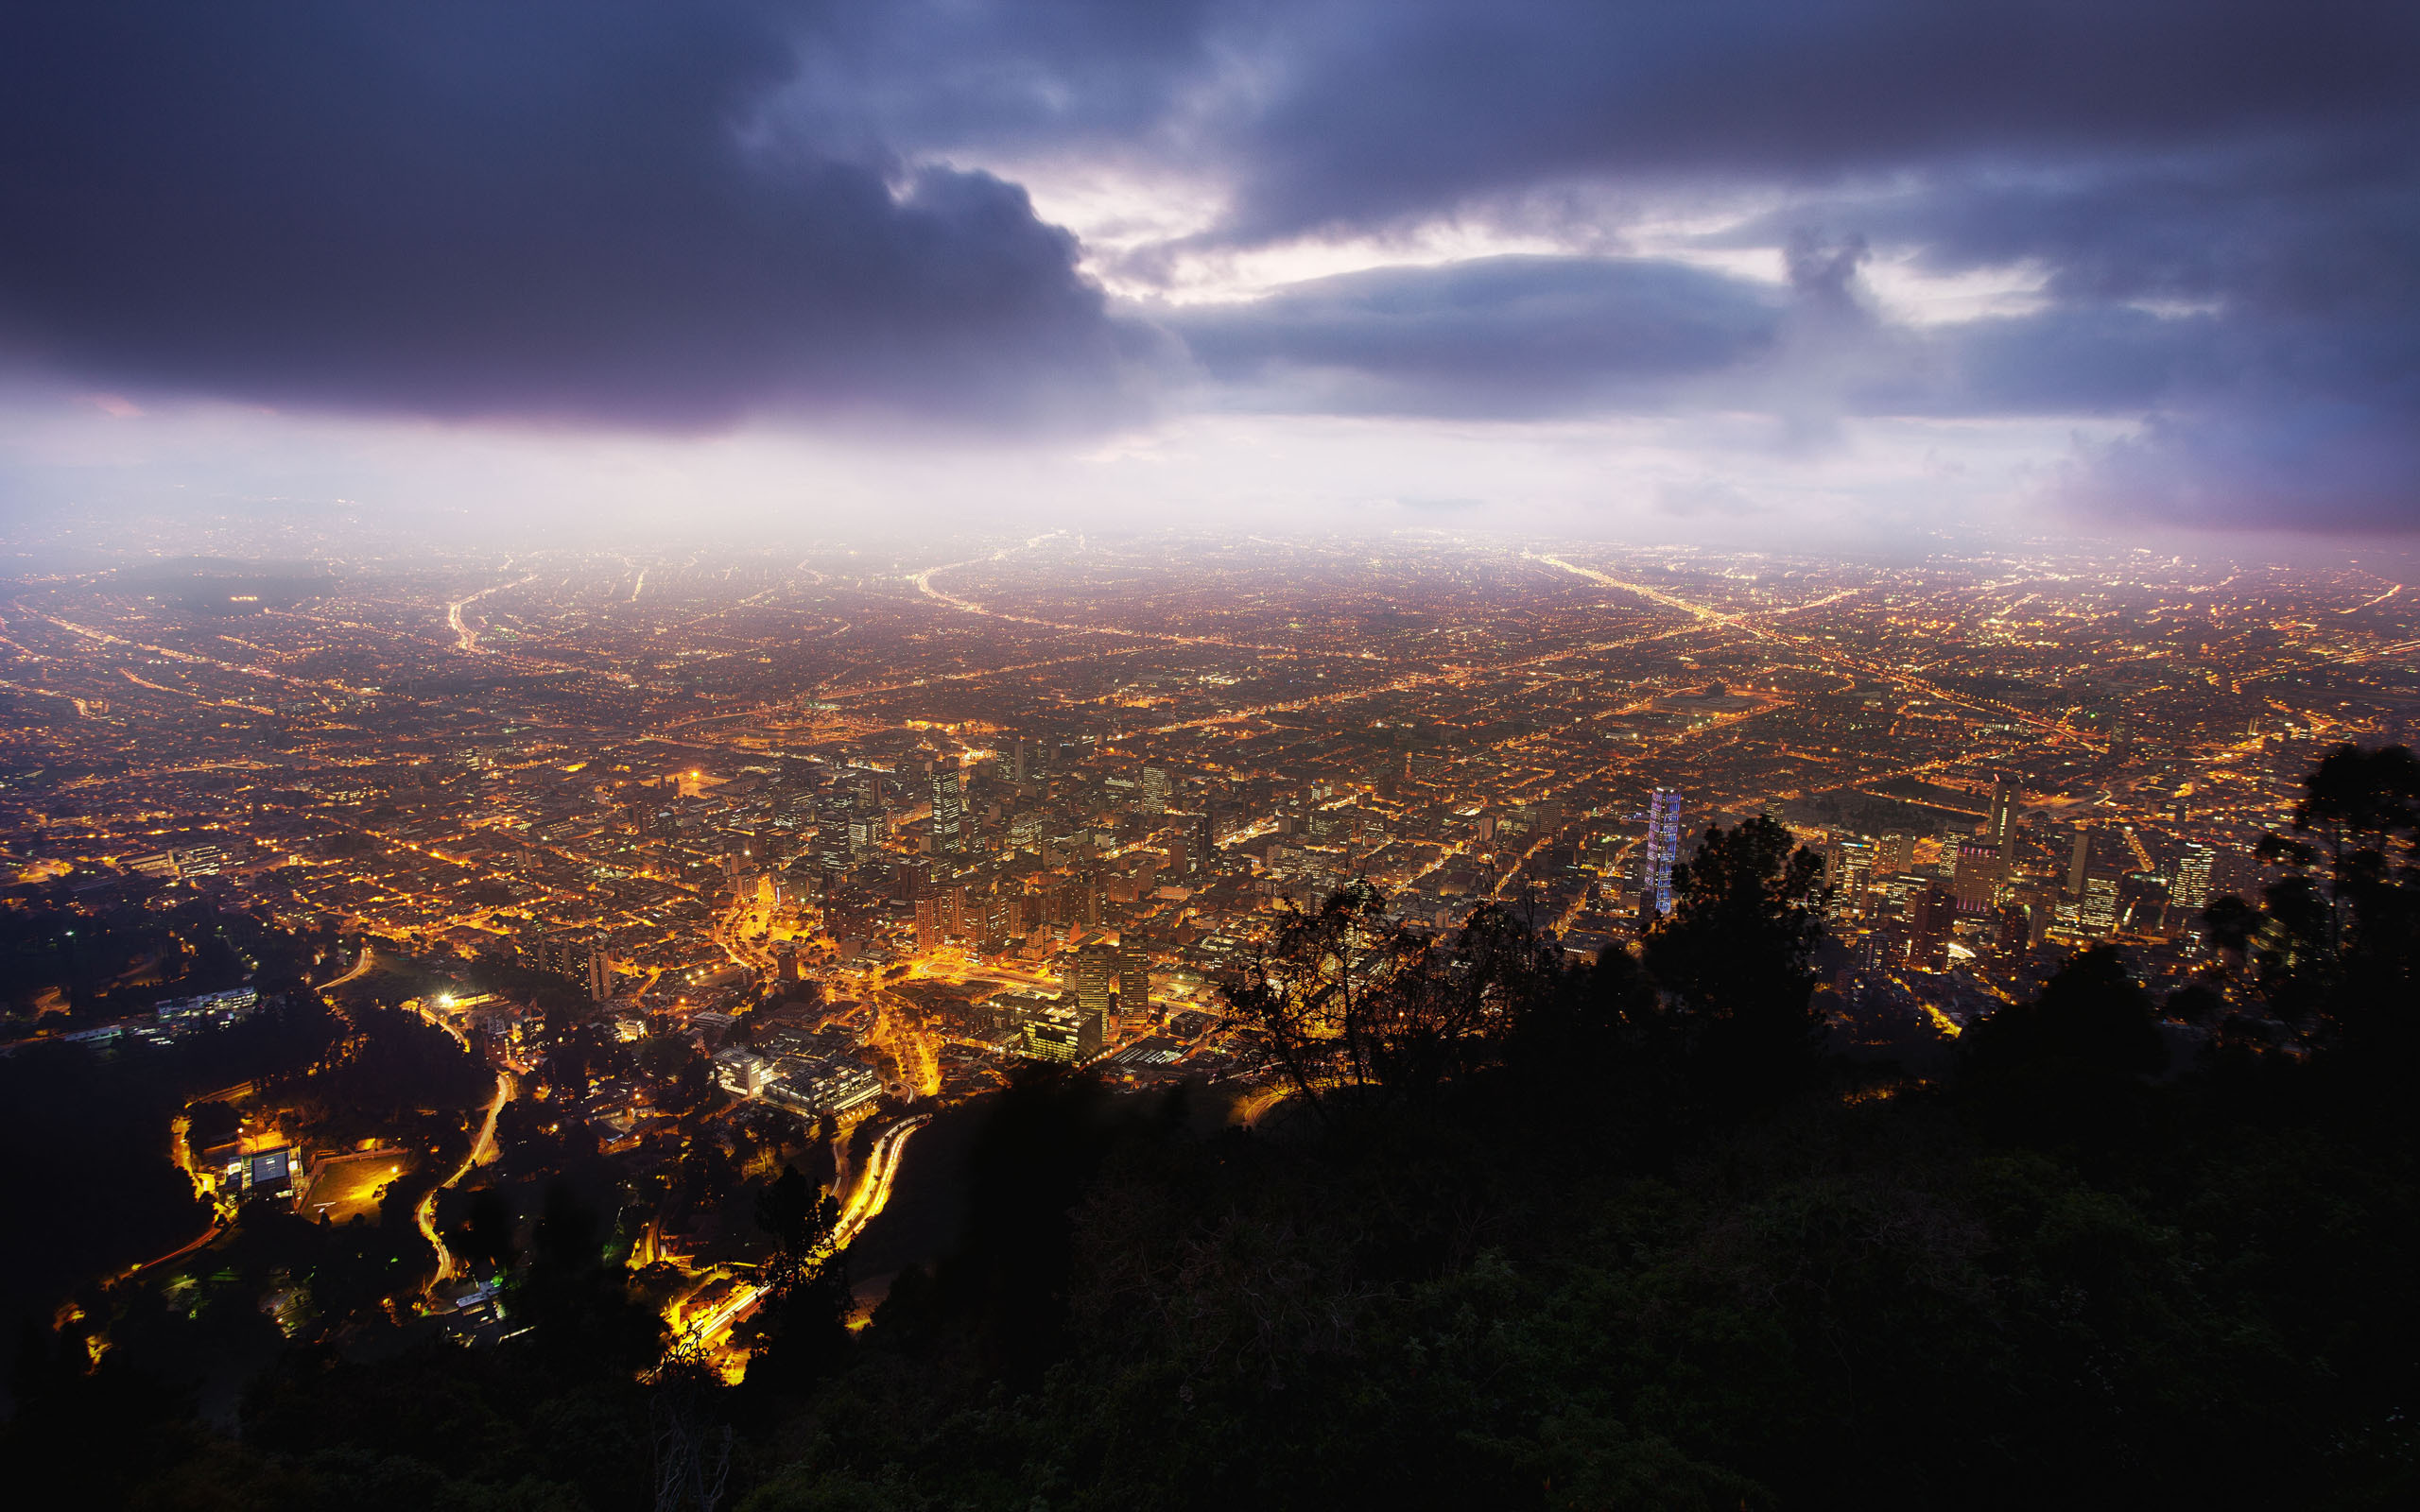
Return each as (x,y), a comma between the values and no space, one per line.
(1720,269)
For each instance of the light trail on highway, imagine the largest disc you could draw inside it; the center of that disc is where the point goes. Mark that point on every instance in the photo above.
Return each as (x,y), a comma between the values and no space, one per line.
(872,1196)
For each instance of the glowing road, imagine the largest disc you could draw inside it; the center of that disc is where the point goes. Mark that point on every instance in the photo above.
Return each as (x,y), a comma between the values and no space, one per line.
(359,966)
(466,636)
(483,1149)
(870,1197)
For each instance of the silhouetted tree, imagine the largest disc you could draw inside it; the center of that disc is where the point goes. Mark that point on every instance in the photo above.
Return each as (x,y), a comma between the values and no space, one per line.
(2092,1016)
(1733,957)
(801,1328)
(1323,991)
(486,1239)
(801,1222)
(579,1305)
(2333,948)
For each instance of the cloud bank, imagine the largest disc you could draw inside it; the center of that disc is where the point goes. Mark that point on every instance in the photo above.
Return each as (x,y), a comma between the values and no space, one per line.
(2198,224)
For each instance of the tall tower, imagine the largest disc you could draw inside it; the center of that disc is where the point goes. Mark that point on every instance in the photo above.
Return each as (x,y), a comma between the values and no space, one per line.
(1931,914)
(2080,860)
(949,813)
(600,972)
(1978,879)
(2192,889)
(1089,979)
(1133,981)
(1999,830)
(1156,789)
(1663,845)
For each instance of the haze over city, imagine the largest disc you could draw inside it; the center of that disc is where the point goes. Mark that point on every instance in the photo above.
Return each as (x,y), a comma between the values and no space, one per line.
(770,755)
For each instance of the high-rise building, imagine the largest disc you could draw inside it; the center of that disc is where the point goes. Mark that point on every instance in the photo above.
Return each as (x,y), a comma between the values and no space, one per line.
(1999,827)
(600,972)
(928,923)
(1133,981)
(1017,761)
(1086,985)
(993,923)
(1194,844)
(949,813)
(1155,790)
(2011,932)
(1894,853)
(2080,861)
(1663,847)
(1977,879)
(2193,886)
(2099,915)
(1851,865)
(1929,916)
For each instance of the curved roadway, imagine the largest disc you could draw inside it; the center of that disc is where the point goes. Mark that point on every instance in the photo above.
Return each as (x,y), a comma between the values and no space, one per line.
(882,1168)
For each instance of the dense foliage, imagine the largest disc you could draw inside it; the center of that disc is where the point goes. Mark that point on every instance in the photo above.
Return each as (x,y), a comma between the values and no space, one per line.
(1525,1235)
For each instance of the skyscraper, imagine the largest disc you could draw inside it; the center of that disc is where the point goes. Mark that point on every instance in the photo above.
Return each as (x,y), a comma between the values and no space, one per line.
(2099,913)
(1088,982)
(1929,915)
(1977,877)
(949,813)
(1663,845)
(600,972)
(1852,867)
(2080,861)
(1999,830)
(1133,981)
(2192,889)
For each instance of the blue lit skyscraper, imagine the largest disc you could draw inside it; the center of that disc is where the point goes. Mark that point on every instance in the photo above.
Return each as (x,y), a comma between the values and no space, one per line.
(1663,845)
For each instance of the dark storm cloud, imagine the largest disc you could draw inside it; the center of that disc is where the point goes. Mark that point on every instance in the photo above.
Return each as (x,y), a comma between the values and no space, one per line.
(1500,336)
(681,214)
(555,210)
(2220,195)
(1361,112)
(2259,305)
(1382,109)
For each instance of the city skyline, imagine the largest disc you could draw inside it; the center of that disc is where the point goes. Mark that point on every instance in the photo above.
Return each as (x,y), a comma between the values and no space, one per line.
(769,756)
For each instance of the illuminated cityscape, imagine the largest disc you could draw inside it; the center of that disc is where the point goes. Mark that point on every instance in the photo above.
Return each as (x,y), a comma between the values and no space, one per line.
(869,832)
(1071,757)
(912,801)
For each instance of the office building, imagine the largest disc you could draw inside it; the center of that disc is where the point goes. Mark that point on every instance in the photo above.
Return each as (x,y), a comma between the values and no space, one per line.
(949,813)
(2000,826)
(1663,847)
(1894,853)
(2193,886)
(1929,916)
(1154,790)
(1133,982)
(2099,915)
(1977,878)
